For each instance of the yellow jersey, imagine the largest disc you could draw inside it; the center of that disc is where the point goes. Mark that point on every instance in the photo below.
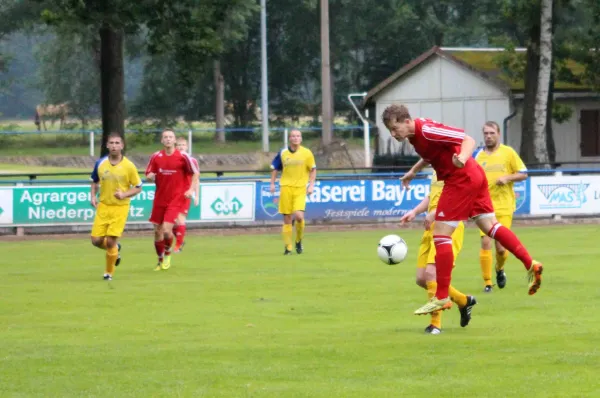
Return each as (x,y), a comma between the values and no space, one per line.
(295,166)
(502,162)
(435,191)
(121,176)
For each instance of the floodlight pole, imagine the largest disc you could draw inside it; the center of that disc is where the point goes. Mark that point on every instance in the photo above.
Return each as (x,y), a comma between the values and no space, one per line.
(366,126)
(264,90)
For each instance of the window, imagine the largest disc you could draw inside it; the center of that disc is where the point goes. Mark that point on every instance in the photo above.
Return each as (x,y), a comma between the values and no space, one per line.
(590,132)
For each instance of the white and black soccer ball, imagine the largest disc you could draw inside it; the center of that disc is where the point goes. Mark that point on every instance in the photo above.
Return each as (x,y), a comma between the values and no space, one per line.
(392,249)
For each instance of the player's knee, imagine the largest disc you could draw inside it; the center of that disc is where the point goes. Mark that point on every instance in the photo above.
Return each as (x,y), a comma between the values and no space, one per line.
(421,282)
(111,242)
(299,216)
(429,275)
(486,243)
(287,218)
(97,241)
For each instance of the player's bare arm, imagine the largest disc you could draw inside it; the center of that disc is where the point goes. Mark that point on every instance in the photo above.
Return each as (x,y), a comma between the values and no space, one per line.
(197,191)
(418,209)
(273,179)
(312,177)
(412,173)
(93,193)
(194,187)
(150,176)
(129,193)
(516,177)
(466,151)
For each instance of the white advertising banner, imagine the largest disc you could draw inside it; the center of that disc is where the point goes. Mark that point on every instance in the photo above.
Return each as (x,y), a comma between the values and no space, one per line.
(6,206)
(565,195)
(227,201)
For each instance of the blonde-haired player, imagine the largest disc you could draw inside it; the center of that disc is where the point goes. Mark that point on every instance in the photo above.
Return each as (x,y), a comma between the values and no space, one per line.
(179,228)
(426,277)
(116,179)
(298,168)
(503,167)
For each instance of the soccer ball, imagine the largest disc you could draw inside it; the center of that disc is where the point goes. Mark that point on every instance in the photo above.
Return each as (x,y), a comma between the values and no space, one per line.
(392,249)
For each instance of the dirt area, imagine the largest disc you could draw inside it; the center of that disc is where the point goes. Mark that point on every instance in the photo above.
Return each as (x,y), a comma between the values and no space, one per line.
(275,229)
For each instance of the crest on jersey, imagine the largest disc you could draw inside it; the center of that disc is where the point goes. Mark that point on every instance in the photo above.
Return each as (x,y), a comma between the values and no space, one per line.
(269,201)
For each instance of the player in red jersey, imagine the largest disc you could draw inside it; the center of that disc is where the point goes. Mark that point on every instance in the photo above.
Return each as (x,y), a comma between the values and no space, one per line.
(465,195)
(179,228)
(170,169)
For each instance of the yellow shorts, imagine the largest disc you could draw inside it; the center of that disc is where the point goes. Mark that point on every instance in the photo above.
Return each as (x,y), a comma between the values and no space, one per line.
(292,199)
(427,247)
(504,220)
(110,220)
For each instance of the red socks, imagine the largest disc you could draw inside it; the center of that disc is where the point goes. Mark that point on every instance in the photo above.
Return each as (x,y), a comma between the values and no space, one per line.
(509,240)
(160,249)
(168,244)
(179,231)
(444,260)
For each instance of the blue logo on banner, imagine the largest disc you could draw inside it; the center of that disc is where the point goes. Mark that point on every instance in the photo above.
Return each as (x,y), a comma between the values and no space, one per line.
(269,202)
(520,194)
(563,196)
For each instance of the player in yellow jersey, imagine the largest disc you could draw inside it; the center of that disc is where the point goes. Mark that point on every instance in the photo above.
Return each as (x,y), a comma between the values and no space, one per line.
(503,167)
(298,174)
(426,277)
(116,179)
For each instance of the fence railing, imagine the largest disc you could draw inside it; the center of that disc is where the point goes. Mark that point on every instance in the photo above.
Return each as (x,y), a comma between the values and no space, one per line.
(91,138)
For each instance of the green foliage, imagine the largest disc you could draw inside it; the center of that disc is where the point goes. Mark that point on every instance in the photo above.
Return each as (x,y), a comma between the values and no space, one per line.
(561,112)
(69,71)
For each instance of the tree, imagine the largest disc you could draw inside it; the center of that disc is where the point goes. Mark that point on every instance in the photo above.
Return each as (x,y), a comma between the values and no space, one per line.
(540,146)
(189,28)
(69,72)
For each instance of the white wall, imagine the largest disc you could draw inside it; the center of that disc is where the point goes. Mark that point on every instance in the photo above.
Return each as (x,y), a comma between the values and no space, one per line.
(441,90)
(567,135)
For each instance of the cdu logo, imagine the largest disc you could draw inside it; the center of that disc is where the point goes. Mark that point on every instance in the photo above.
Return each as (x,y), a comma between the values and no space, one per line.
(269,201)
(520,189)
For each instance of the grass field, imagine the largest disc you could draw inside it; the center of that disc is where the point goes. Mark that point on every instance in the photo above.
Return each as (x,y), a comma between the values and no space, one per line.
(234,318)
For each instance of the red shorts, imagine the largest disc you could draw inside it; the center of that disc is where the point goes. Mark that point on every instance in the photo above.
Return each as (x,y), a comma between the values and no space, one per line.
(465,196)
(185,208)
(165,214)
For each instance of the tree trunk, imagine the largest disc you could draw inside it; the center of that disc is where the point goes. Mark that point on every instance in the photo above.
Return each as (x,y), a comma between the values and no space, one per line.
(219,101)
(549,132)
(543,87)
(112,81)
(527,121)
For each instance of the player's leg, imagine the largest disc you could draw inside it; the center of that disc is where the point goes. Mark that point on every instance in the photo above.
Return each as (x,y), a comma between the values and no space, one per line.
(179,232)
(502,253)
(485,261)
(116,227)
(286,205)
(425,278)
(112,253)
(299,206)
(168,238)
(486,221)
(156,218)
(464,302)
(455,205)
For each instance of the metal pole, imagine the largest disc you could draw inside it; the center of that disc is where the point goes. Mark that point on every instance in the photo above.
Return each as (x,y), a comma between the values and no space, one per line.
(325,75)
(367,139)
(285,138)
(91,143)
(264,76)
(366,127)
(190,142)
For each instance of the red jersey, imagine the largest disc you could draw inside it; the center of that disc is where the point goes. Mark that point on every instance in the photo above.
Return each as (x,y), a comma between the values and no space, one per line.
(436,144)
(172,175)
(189,176)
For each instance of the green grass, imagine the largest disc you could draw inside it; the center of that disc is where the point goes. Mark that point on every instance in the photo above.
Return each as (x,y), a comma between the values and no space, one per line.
(234,318)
